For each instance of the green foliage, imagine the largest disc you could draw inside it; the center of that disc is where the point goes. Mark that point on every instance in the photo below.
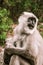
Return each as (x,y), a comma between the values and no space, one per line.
(40,27)
(10,2)
(5,22)
(3,12)
(41,33)
(18,6)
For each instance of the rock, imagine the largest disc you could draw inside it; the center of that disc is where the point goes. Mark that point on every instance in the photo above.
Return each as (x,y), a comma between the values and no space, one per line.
(1,56)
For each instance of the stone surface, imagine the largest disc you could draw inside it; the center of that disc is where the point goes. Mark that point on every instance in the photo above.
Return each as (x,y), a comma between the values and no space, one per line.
(1,56)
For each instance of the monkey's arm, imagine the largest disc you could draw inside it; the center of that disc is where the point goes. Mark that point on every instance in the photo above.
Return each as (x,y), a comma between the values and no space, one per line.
(15,50)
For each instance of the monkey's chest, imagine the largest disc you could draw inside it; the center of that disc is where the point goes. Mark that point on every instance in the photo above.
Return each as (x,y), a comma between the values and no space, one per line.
(32,51)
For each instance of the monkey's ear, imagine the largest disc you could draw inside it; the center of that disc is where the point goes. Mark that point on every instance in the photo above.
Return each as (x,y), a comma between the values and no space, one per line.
(21,19)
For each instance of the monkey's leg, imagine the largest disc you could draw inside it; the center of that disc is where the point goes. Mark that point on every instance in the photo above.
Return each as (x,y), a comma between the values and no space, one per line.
(23,61)
(14,60)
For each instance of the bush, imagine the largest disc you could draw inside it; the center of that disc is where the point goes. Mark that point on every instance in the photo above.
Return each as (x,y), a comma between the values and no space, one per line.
(5,22)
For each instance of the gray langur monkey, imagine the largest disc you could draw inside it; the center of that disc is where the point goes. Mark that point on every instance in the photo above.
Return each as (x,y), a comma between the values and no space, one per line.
(32,42)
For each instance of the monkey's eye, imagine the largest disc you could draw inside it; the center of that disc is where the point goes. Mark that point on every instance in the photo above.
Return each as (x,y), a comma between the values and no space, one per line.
(31,22)
(32,19)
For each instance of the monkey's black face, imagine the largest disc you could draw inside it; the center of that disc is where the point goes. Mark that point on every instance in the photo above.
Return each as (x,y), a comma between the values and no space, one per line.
(31,22)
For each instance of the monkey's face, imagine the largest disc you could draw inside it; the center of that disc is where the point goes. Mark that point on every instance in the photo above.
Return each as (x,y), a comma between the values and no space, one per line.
(30,22)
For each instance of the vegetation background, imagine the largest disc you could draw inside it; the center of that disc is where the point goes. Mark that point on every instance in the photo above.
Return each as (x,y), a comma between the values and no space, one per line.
(10,10)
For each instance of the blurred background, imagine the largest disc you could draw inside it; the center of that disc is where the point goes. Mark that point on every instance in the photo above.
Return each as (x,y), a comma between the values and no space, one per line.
(10,10)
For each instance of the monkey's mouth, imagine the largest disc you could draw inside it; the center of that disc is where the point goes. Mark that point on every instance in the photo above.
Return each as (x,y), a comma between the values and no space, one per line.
(31,26)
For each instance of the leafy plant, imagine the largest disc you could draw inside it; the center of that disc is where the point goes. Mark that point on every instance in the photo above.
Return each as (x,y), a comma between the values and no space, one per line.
(5,24)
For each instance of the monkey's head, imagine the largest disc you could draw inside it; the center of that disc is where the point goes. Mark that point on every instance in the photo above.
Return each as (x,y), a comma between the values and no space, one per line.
(29,20)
